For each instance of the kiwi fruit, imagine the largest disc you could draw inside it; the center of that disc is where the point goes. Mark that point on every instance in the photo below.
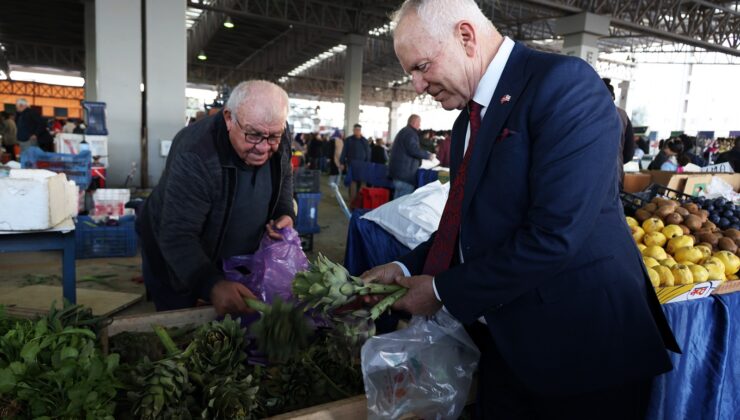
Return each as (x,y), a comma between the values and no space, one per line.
(673,219)
(685,229)
(693,222)
(652,207)
(708,245)
(663,211)
(691,207)
(727,244)
(709,225)
(732,233)
(737,241)
(682,211)
(642,215)
(707,237)
(704,214)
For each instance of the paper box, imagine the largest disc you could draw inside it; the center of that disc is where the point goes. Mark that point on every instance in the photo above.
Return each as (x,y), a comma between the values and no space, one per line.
(36,199)
(686,292)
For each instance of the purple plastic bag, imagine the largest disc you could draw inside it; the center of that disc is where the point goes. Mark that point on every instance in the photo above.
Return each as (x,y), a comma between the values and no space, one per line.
(271,269)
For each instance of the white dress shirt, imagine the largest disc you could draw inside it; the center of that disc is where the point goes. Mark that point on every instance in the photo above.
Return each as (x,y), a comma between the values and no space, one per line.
(483,96)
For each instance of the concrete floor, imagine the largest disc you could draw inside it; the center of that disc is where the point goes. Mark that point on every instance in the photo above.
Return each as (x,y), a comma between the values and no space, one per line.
(25,269)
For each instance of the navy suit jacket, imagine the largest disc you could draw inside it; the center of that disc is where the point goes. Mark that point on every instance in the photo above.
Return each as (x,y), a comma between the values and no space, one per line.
(549,260)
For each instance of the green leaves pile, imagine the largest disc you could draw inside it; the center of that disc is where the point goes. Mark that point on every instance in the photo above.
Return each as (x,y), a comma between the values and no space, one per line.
(52,368)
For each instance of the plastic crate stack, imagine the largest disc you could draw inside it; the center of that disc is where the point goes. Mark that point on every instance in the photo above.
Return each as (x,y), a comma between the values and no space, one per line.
(307,195)
(76,167)
(98,241)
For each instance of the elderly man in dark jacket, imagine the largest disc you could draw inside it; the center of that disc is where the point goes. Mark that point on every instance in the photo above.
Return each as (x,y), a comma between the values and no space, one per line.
(356,149)
(406,155)
(227,181)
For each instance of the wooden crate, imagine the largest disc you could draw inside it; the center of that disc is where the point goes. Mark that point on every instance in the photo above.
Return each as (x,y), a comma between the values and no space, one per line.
(349,408)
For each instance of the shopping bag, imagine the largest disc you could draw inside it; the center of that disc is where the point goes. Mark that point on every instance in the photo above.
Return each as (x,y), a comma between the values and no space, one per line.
(424,370)
(269,272)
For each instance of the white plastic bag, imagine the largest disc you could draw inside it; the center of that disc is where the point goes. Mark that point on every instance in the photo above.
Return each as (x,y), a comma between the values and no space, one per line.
(424,370)
(413,218)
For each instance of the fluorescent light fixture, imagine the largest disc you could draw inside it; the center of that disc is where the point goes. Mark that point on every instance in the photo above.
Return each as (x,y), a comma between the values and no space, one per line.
(202,56)
(52,79)
(228,23)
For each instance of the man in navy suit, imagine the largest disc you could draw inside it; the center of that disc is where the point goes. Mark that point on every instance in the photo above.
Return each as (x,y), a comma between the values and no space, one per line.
(532,253)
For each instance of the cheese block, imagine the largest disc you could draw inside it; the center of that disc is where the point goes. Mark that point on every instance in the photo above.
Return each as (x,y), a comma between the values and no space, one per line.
(36,199)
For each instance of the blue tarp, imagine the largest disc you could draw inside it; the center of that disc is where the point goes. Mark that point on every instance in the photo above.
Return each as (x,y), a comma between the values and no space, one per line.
(705,381)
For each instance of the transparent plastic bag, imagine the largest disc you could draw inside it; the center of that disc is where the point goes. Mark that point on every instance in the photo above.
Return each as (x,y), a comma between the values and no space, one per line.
(424,370)
(270,271)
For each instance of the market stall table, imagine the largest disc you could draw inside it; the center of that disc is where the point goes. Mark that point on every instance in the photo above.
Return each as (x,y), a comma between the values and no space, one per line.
(59,238)
(705,380)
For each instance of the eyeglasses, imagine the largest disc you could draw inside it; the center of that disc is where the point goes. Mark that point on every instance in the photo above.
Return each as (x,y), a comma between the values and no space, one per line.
(257,138)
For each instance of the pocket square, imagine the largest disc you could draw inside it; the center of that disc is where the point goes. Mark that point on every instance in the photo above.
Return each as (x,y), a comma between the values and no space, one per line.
(504,134)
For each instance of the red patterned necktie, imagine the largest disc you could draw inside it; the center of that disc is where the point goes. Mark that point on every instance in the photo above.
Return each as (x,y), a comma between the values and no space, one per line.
(443,247)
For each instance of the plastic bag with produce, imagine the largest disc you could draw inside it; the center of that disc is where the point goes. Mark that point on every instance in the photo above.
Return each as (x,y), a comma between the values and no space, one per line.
(424,370)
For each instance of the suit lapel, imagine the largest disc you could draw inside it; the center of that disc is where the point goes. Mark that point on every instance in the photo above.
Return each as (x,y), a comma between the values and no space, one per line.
(512,83)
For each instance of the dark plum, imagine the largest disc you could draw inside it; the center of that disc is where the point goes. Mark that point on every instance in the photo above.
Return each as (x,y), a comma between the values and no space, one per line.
(723,223)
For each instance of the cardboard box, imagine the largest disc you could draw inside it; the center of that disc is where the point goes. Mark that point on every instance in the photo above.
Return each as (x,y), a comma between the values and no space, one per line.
(687,183)
(636,182)
(686,292)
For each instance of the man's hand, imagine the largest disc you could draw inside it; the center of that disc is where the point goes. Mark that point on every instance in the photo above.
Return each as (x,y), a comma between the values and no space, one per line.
(275,225)
(383,274)
(420,299)
(227,297)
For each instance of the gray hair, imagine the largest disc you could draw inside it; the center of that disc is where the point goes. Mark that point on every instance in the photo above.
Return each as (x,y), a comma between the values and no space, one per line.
(441,16)
(21,101)
(244,93)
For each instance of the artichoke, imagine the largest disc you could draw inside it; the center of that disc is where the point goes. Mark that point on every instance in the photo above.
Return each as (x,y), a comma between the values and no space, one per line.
(282,331)
(218,348)
(161,388)
(328,286)
(230,398)
(351,330)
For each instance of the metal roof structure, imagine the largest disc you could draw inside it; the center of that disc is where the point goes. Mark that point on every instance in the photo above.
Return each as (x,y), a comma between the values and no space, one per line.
(300,42)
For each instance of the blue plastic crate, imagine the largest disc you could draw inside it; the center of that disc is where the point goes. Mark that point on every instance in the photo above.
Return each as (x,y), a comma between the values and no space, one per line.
(95,118)
(93,241)
(76,167)
(307,220)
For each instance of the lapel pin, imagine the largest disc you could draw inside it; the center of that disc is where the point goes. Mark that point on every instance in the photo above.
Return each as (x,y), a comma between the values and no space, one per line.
(505,99)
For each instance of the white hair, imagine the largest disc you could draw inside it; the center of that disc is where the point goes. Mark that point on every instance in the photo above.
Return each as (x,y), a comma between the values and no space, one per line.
(441,16)
(271,102)
(21,101)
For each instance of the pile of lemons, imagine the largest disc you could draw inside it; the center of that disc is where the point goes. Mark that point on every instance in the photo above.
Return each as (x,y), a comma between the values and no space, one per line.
(672,258)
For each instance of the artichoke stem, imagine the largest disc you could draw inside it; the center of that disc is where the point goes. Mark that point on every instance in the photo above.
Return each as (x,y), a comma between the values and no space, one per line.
(387,302)
(166,340)
(257,305)
(381,289)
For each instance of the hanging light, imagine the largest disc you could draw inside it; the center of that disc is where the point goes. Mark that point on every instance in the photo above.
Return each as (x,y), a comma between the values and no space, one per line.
(228,23)
(202,55)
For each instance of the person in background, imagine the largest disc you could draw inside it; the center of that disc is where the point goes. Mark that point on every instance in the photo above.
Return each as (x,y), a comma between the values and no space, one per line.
(314,151)
(80,128)
(642,145)
(226,183)
(56,126)
(69,126)
(426,141)
(299,143)
(532,253)
(627,141)
(8,131)
(334,151)
(378,152)
(689,145)
(30,125)
(406,156)
(669,149)
(443,150)
(731,156)
(356,149)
